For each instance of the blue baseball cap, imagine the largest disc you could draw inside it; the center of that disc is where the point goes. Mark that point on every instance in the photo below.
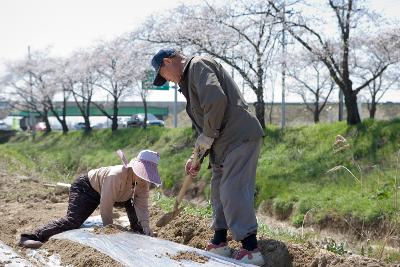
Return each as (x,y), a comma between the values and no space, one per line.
(157,61)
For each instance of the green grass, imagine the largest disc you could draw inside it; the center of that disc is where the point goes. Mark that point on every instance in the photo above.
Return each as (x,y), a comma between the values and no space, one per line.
(294,163)
(292,169)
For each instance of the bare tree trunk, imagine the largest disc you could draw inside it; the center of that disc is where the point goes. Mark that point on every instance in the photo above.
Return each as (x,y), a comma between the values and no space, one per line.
(46,120)
(84,108)
(272,106)
(62,120)
(64,127)
(88,128)
(145,113)
(372,109)
(64,113)
(350,100)
(260,111)
(114,125)
(316,109)
(316,116)
(316,106)
(270,113)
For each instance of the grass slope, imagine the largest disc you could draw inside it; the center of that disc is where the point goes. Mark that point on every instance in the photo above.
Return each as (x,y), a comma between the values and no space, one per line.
(292,177)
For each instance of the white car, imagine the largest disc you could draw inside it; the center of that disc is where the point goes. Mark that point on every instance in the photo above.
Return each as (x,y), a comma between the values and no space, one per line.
(80,126)
(4,126)
(137,120)
(123,122)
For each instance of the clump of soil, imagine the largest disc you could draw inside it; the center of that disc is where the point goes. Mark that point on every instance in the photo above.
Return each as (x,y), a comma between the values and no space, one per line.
(75,254)
(109,229)
(326,258)
(188,255)
(185,229)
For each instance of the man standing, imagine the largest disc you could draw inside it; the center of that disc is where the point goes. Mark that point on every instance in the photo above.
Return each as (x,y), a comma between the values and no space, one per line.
(231,134)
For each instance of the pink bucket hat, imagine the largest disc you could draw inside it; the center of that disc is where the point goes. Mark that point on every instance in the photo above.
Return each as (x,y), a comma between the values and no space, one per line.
(145,166)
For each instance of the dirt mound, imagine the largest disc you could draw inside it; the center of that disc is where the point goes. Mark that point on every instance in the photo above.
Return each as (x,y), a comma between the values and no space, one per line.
(188,255)
(74,254)
(109,229)
(326,258)
(185,229)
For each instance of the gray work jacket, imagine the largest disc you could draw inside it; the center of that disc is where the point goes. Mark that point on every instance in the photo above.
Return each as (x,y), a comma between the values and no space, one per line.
(216,107)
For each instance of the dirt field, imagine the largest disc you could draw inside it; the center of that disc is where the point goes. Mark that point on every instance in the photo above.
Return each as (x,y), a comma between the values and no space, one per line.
(25,204)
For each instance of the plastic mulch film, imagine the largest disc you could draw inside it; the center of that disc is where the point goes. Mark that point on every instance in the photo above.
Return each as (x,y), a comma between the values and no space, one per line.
(138,250)
(34,257)
(9,258)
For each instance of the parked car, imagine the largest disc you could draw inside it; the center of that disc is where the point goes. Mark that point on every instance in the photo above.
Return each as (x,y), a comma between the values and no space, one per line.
(4,126)
(40,127)
(79,126)
(123,122)
(98,126)
(137,120)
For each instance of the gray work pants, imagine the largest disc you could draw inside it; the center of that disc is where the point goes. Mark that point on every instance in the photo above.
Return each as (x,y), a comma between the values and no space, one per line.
(232,191)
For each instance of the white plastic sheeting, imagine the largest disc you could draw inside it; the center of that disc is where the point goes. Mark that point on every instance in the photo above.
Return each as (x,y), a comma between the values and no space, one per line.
(138,250)
(35,257)
(96,221)
(11,259)
(125,247)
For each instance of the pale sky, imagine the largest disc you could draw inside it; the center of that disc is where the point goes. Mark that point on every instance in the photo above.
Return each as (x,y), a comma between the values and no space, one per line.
(66,25)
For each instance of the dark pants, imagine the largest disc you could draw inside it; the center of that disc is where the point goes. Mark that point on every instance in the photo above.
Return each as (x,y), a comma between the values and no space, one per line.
(83,200)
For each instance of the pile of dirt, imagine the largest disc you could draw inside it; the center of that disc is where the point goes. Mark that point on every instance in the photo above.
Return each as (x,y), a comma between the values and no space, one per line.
(75,254)
(109,229)
(188,255)
(326,258)
(185,229)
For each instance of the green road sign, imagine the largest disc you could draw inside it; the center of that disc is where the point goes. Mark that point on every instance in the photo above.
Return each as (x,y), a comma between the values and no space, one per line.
(147,83)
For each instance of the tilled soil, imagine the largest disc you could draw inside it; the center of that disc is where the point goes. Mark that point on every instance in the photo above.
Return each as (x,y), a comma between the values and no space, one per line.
(25,204)
(188,255)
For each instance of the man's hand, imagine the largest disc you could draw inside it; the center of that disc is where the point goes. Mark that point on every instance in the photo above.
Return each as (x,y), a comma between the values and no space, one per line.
(192,170)
(203,143)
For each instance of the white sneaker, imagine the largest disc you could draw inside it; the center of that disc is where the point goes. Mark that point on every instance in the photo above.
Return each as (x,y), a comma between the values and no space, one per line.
(252,257)
(221,249)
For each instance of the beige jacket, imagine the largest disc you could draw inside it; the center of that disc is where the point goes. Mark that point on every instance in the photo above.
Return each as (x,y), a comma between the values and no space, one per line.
(115,184)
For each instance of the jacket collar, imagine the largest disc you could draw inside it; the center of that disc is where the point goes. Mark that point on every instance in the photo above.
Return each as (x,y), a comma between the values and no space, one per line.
(183,83)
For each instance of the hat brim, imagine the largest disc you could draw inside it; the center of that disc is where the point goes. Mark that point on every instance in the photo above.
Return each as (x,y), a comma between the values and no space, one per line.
(159,80)
(146,170)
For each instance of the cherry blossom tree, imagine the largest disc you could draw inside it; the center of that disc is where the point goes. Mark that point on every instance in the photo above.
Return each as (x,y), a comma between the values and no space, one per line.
(80,77)
(33,82)
(380,86)
(335,47)
(381,45)
(61,85)
(311,82)
(241,34)
(116,71)
(140,54)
